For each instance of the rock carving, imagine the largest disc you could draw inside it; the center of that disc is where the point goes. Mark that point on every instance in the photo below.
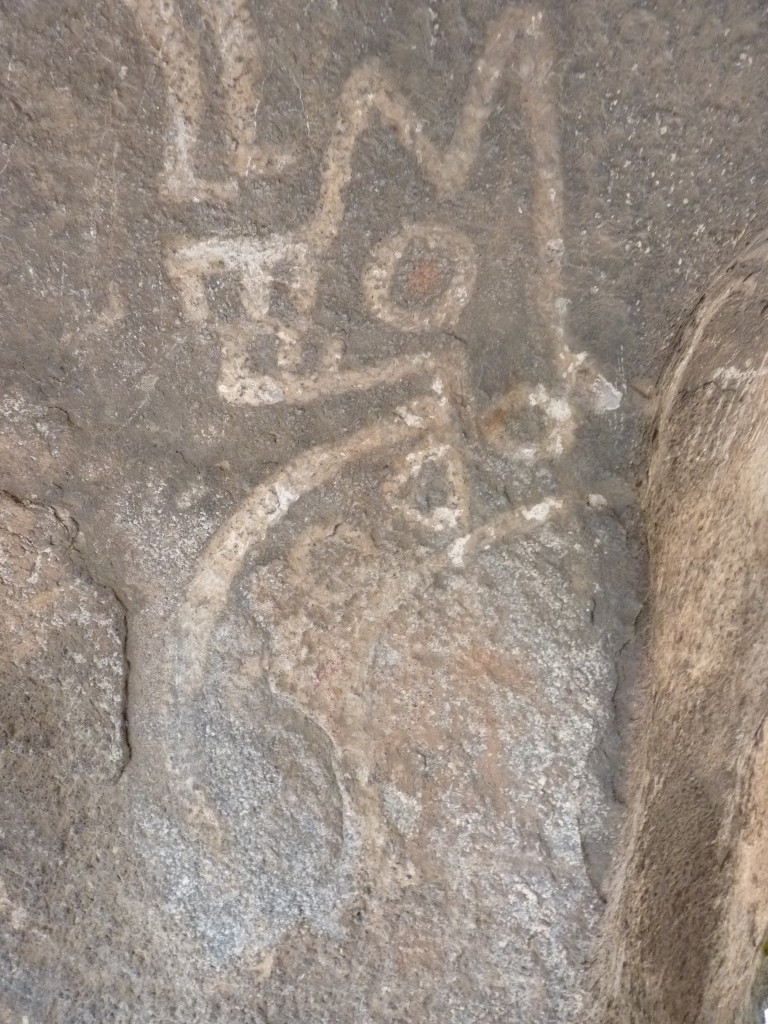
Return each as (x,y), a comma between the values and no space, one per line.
(241,54)
(221,857)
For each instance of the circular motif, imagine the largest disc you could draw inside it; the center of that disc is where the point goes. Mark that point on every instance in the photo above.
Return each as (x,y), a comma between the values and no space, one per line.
(421,278)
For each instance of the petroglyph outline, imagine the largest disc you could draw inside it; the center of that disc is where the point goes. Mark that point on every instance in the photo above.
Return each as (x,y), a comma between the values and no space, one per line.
(293,261)
(269,503)
(370,89)
(176,52)
(722,291)
(450,516)
(446,307)
(421,429)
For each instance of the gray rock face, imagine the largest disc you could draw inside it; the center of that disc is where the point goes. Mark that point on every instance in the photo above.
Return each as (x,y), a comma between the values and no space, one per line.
(326,342)
(685,934)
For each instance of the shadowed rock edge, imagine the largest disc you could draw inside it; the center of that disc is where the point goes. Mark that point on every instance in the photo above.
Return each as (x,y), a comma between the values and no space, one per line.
(684,933)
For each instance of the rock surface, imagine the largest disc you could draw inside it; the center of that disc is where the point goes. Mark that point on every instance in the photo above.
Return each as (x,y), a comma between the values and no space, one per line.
(685,936)
(327,337)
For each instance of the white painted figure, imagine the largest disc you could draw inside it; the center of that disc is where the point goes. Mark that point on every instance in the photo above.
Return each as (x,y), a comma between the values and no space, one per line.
(210,850)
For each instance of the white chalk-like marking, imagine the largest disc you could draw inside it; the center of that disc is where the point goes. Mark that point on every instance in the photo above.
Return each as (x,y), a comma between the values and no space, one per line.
(410,418)
(606,397)
(294,260)
(248,528)
(241,67)
(732,376)
(541,512)
(721,292)
(515,523)
(445,308)
(558,410)
(401,487)
(457,549)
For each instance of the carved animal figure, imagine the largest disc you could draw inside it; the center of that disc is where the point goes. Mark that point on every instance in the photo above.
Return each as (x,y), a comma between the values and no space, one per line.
(685,933)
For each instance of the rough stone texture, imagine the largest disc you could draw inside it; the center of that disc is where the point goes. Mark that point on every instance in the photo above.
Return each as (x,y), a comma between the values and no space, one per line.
(327,333)
(685,935)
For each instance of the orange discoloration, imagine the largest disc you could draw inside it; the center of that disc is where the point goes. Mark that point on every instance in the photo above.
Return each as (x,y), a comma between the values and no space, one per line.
(424,278)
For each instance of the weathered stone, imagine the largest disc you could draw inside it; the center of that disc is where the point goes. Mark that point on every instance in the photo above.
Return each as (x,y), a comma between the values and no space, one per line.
(327,333)
(685,933)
